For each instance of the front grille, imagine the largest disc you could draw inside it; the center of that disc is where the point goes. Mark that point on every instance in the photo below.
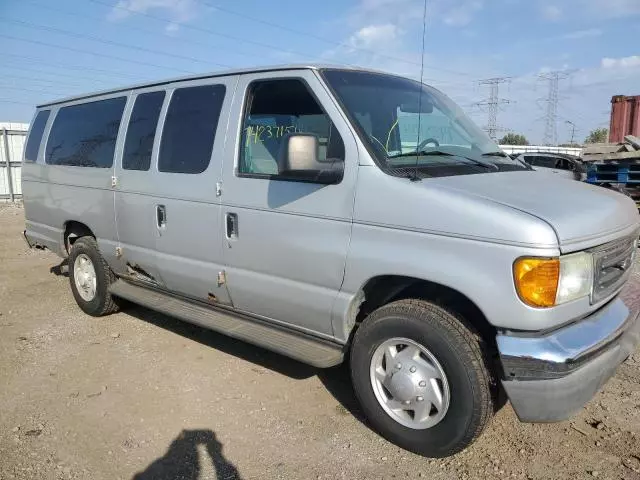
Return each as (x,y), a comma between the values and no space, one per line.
(612,264)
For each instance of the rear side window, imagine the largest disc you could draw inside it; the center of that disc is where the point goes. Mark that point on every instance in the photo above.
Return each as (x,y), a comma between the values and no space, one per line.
(35,136)
(85,135)
(190,128)
(142,131)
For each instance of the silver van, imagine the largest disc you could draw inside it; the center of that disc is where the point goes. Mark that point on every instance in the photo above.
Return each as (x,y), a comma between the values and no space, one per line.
(334,214)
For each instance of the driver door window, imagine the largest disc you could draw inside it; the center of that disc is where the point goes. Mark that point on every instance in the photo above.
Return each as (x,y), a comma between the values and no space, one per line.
(276,109)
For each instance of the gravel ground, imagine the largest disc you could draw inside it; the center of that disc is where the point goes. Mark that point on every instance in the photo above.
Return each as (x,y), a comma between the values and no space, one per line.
(141,395)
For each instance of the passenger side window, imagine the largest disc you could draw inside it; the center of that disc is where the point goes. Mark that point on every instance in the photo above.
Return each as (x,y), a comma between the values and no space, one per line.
(190,129)
(141,131)
(275,109)
(546,162)
(35,136)
(84,135)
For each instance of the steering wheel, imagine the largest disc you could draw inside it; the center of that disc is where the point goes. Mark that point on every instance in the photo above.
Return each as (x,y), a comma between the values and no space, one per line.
(426,142)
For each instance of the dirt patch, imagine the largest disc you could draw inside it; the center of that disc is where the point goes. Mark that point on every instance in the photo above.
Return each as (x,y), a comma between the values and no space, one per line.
(141,395)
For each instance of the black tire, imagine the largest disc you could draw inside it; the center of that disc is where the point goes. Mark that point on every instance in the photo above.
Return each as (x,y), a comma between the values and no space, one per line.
(461,353)
(103,302)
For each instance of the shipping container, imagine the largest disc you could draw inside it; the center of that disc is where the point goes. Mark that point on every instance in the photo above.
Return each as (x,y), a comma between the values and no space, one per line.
(625,117)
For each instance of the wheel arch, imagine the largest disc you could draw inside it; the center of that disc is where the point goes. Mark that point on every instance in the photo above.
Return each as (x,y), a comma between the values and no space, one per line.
(73,230)
(383,289)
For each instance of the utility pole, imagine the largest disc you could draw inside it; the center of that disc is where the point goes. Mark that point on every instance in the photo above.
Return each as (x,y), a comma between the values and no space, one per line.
(573,130)
(493,104)
(551,116)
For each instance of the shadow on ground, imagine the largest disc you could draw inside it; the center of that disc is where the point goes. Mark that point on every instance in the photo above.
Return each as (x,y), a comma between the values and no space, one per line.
(336,380)
(183,462)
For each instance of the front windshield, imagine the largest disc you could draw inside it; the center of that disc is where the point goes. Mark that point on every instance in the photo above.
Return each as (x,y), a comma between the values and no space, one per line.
(406,125)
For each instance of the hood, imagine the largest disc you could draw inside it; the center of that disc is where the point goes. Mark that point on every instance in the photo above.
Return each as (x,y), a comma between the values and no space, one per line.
(582,215)
(441,206)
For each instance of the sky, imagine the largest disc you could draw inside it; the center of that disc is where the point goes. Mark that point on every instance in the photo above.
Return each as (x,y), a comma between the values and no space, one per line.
(52,49)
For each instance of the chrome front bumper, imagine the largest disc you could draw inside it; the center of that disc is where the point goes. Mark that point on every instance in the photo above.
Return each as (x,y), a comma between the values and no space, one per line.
(549,377)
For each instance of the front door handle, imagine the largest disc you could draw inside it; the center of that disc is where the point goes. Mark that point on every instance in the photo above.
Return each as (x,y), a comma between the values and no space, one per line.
(161,216)
(232,225)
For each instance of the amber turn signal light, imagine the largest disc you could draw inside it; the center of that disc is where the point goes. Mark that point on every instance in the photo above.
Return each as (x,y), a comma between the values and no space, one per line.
(536,280)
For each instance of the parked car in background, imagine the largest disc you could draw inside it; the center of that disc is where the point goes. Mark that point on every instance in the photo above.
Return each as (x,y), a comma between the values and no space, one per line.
(564,165)
(329,213)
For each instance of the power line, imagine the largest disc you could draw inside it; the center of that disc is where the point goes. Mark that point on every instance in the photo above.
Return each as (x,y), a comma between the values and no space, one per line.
(103,55)
(130,28)
(63,83)
(22,68)
(5,100)
(493,104)
(212,32)
(200,29)
(43,62)
(228,11)
(332,42)
(46,92)
(107,42)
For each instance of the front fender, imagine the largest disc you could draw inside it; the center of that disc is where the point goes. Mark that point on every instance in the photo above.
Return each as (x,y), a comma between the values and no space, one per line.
(479,270)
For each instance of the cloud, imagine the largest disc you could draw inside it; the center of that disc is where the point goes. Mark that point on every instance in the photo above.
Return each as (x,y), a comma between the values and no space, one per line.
(179,11)
(579,34)
(614,8)
(397,12)
(374,35)
(623,62)
(552,12)
(462,14)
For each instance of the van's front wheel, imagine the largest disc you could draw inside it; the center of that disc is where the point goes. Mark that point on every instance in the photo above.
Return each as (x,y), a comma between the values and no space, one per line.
(422,378)
(90,277)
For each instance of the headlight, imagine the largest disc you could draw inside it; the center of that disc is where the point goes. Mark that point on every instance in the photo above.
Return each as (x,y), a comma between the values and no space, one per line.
(546,282)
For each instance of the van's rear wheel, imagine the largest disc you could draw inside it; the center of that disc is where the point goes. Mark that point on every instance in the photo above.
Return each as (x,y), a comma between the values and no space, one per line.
(90,277)
(422,378)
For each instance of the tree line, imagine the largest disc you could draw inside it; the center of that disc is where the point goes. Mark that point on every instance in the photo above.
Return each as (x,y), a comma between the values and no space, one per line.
(599,135)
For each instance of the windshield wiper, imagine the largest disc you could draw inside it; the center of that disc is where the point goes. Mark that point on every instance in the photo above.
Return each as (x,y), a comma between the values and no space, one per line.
(427,153)
(495,154)
(504,155)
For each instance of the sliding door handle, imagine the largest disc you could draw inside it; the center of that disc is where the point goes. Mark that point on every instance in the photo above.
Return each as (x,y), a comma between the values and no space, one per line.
(161,216)
(232,225)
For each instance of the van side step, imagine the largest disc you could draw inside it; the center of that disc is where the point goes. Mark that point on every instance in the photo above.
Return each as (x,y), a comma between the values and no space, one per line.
(302,347)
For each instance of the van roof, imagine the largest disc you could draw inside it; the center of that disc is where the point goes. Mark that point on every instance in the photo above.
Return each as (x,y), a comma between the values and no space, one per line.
(224,73)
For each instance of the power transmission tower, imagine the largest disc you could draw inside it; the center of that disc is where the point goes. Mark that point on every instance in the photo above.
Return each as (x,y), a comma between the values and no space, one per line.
(551,116)
(493,104)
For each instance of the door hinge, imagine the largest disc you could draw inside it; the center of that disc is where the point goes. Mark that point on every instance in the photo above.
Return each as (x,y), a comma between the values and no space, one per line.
(218,189)
(114,182)
(222,278)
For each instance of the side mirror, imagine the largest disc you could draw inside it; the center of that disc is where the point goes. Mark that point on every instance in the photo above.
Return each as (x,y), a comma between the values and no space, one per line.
(298,160)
